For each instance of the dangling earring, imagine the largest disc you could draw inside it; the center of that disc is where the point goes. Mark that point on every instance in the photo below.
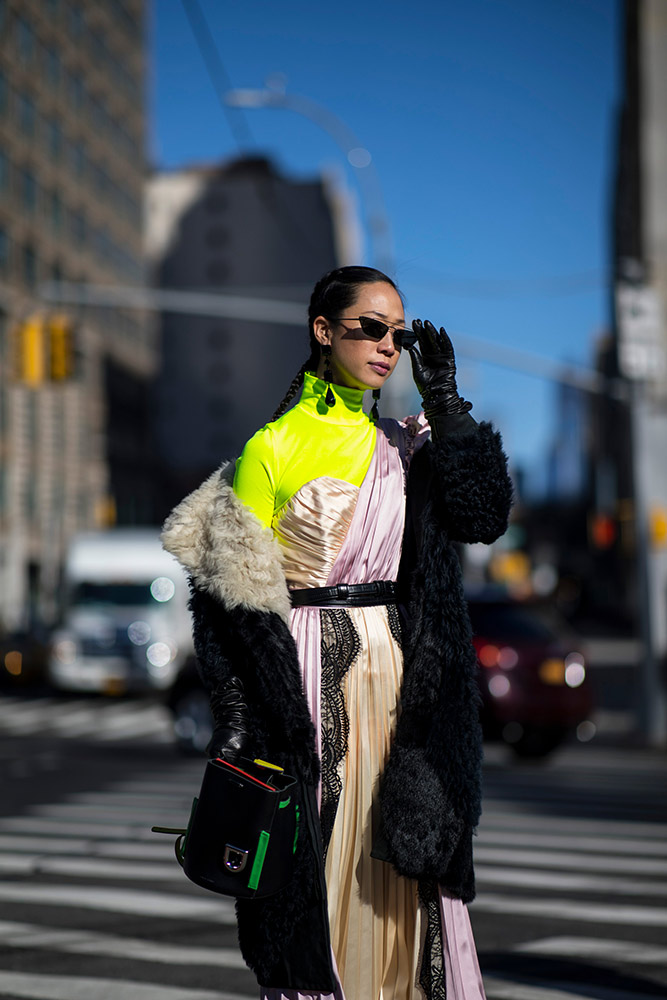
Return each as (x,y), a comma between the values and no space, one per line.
(329,399)
(375,413)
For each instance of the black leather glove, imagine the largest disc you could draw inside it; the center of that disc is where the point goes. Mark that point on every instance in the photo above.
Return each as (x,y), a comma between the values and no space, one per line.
(434,371)
(230,720)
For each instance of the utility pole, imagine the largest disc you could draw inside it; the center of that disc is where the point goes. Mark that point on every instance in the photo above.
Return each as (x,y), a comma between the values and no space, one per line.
(642,360)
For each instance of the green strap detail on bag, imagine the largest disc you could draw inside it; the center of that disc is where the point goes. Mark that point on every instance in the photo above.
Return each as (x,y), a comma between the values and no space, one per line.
(258,863)
(296,831)
(285,802)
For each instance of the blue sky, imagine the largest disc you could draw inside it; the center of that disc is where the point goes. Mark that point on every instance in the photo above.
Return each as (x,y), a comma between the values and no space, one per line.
(491,124)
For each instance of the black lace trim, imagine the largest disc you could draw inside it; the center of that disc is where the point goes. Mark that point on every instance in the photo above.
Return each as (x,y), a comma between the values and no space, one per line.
(432,966)
(395,624)
(339,648)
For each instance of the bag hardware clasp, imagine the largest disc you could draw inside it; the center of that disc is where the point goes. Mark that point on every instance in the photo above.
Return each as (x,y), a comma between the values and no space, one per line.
(234,858)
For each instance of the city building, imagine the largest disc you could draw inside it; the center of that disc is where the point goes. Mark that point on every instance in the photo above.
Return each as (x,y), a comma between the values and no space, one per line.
(254,241)
(73,401)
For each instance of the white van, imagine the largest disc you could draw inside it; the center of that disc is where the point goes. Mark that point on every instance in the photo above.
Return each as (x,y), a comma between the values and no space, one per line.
(126,625)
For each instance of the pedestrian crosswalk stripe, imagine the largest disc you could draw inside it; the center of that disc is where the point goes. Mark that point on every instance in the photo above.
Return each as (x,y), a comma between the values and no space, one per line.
(565,881)
(160,850)
(570,860)
(146,810)
(92,719)
(18,935)
(595,845)
(96,867)
(47,845)
(501,989)
(134,901)
(635,952)
(42,987)
(498,819)
(568,909)
(77,828)
(122,800)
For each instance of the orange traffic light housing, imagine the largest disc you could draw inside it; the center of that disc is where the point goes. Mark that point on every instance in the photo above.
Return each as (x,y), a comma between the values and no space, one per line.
(30,351)
(61,348)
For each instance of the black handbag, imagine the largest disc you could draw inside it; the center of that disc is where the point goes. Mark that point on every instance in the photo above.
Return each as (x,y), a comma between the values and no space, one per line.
(243,829)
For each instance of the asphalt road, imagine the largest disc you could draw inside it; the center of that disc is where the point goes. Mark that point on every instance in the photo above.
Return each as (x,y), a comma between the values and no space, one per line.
(571,863)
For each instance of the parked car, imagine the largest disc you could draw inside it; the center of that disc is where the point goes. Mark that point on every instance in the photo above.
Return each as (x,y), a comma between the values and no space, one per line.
(533,681)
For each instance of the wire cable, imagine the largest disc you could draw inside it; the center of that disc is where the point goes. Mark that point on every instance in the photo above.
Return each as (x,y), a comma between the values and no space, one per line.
(218,75)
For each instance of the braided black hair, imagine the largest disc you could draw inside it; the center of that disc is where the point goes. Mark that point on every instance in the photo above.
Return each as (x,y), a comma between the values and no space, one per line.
(333,293)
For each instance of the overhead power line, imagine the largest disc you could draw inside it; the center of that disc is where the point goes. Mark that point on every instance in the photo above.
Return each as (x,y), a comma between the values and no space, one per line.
(500,288)
(218,75)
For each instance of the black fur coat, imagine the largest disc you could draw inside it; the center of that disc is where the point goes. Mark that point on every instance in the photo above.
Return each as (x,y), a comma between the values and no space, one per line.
(458,491)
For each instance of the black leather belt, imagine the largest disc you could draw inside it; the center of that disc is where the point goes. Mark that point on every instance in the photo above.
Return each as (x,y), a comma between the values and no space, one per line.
(354,595)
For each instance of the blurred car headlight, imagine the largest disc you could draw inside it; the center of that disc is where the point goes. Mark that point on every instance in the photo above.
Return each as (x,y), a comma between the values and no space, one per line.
(159,654)
(499,685)
(64,650)
(575,674)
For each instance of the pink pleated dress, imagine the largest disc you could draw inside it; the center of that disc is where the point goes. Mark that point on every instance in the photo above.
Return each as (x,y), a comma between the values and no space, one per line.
(333,532)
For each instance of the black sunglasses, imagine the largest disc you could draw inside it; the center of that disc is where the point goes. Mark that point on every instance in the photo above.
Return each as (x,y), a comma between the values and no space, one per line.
(376,330)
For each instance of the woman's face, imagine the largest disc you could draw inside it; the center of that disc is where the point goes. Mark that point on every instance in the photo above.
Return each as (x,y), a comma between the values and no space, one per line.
(357,361)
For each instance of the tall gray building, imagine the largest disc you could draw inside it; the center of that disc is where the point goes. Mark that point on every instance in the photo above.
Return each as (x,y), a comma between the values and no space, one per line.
(252,235)
(73,412)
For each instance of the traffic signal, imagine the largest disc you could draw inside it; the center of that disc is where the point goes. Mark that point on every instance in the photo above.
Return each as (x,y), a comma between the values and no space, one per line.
(61,348)
(44,350)
(602,530)
(29,351)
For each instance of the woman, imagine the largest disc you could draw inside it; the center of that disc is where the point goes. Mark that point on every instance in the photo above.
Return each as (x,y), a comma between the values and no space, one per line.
(300,556)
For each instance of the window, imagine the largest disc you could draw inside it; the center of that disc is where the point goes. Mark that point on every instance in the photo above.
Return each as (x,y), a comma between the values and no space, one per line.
(29,266)
(78,228)
(78,159)
(76,21)
(28,191)
(4,253)
(75,91)
(25,40)
(99,116)
(56,212)
(4,172)
(4,94)
(53,68)
(54,139)
(26,113)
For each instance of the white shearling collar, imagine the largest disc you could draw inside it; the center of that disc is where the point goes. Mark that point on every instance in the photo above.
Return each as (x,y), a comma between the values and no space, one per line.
(226,549)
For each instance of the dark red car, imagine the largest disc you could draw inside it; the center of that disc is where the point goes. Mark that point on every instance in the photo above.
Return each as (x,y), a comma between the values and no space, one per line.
(533,682)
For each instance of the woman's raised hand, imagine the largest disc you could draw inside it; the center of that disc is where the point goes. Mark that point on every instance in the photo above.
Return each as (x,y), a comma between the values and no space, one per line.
(434,371)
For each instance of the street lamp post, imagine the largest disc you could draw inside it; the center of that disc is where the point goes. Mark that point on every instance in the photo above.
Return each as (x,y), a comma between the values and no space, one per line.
(357,156)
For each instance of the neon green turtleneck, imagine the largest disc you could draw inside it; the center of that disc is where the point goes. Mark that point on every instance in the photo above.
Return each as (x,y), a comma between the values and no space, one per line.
(309,441)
